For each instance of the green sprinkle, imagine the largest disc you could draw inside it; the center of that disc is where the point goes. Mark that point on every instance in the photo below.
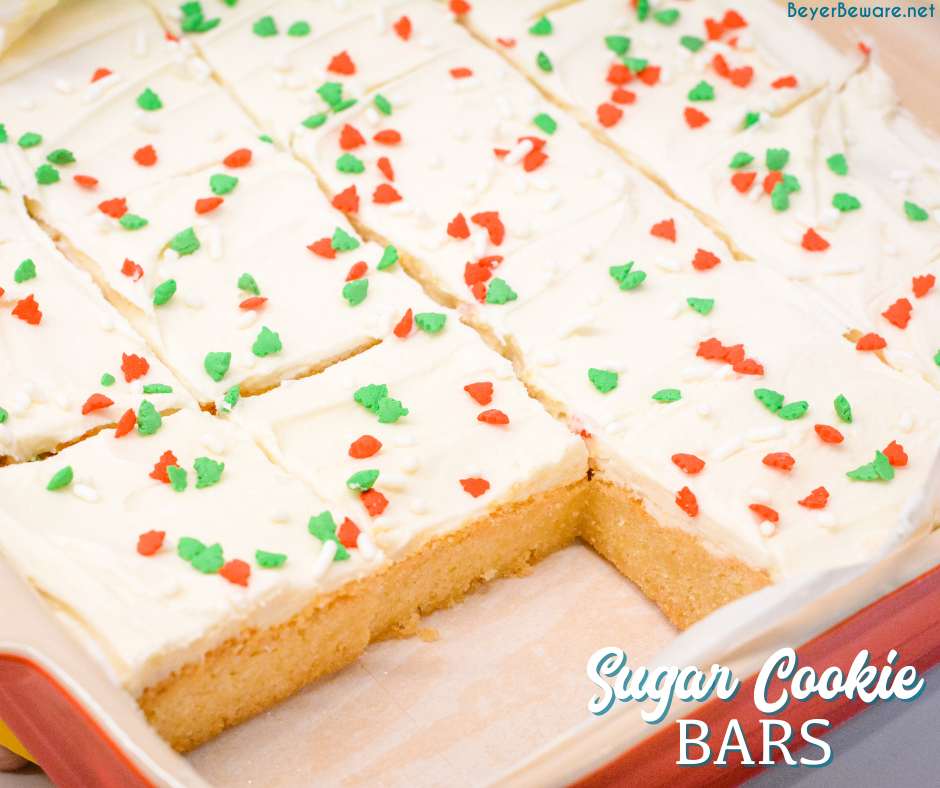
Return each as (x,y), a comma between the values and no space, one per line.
(331,92)
(322,526)
(541,28)
(208,472)
(61,479)
(883,467)
(604,380)
(667,17)
(498,292)
(845,202)
(667,395)
(299,29)
(210,560)
(635,64)
(843,409)
(350,164)
(107,379)
(642,9)
(231,398)
(750,119)
(315,121)
(3,415)
(914,212)
(24,271)
(838,164)
(188,548)
(267,343)
(247,283)
(270,560)
(185,242)
(355,292)
(382,104)
(777,158)
(217,365)
(29,140)
(772,400)
(47,174)
(936,358)
(362,481)
(370,396)
(542,61)
(131,221)
(222,184)
(701,305)
(344,105)
(266,138)
(432,322)
(61,157)
(4,137)
(149,101)
(164,292)
(265,27)
(389,258)
(692,43)
(618,44)
(545,122)
(391,410)
(790,183)
(148,418)
(627,278)
(178,477)
(794,410)
(864,473)
(158,388)
(741,159)
(780,198)
(343,241)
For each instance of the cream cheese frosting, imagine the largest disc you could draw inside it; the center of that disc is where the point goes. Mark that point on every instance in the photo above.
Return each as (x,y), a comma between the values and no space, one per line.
(64,368)
(16,17)
(148,615)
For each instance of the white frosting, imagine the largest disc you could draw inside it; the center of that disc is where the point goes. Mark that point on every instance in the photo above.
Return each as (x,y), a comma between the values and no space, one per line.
(17,16)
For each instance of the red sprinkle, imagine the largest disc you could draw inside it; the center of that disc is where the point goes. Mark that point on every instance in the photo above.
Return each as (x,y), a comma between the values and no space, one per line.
(348,534)
(374,502)
(86,181)
(28,310)
(742,181)
(619,74)
(922,284)
(534,159)
(491,222)
(649,75)
(714,29)
(828,434)
(686,501)
(323,248)
(773,178)
(385,166)
(459,7)
(207,204)
(688,462)
(255,302)
(126,423)
(608,115)
(779,459)
(134,366)
(871,342)
(741,77)
(388,137)
(493,417)
(894,451)
(402,28)
(509,43)
(150,542)
(704,260)
(817,499)
(813,241)
(479,291)
(865,49)
(347,200)
(342,64)
(481,392)
(403,329)
(695,118)
(721,66)
(364,447)
(665,229)
(385,194)
(159,470)
(357,271)
(236,572)
(461,73)
(621,96)
(457,228)
(146,156)
(784,82)
(350,138)
(131,269)
(765,512)
(899,313)
(96,402)
(475,487)
(733,20)
(115,208)
(100,73)
(239,158)
(475,273)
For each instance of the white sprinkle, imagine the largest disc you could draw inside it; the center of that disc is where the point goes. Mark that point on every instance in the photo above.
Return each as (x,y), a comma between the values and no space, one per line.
(804,219)
(796,272)
(63,86)
(759,434)
(614,427)
(171,255)
(551,203)
(385,521)
(460,131)
(829,218)
(542,184)
(900,175)
(614,366)
(27,104)
(768,528)
(593,297)
(547,277)
(826,520)
(366,547)
(278,515)
(519,152)
(906,422)
(699,446)
(567,328)
(64,402)
(193,301)
(419,506)
(248,360)
(409,463)
(703,409)
(698,372)
(146,121)
(163,274)
(667,263)
(705,326)
(392,481)
(672,310)
(760,494)
(832,269)
(495,129)
(427,42)
(213,443)
(381,23)
(35,393)
(547,359)
(89,494)
(890,249)
(429,243)
(585,251)
(519,184)
(140,43)
(727,448)
(137,387)
(756,191)
(791,235)
(434,161)
(403,208)
(482,182)
(324,559)
(404,441)
(215,244)
(479,239)
(107,323)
